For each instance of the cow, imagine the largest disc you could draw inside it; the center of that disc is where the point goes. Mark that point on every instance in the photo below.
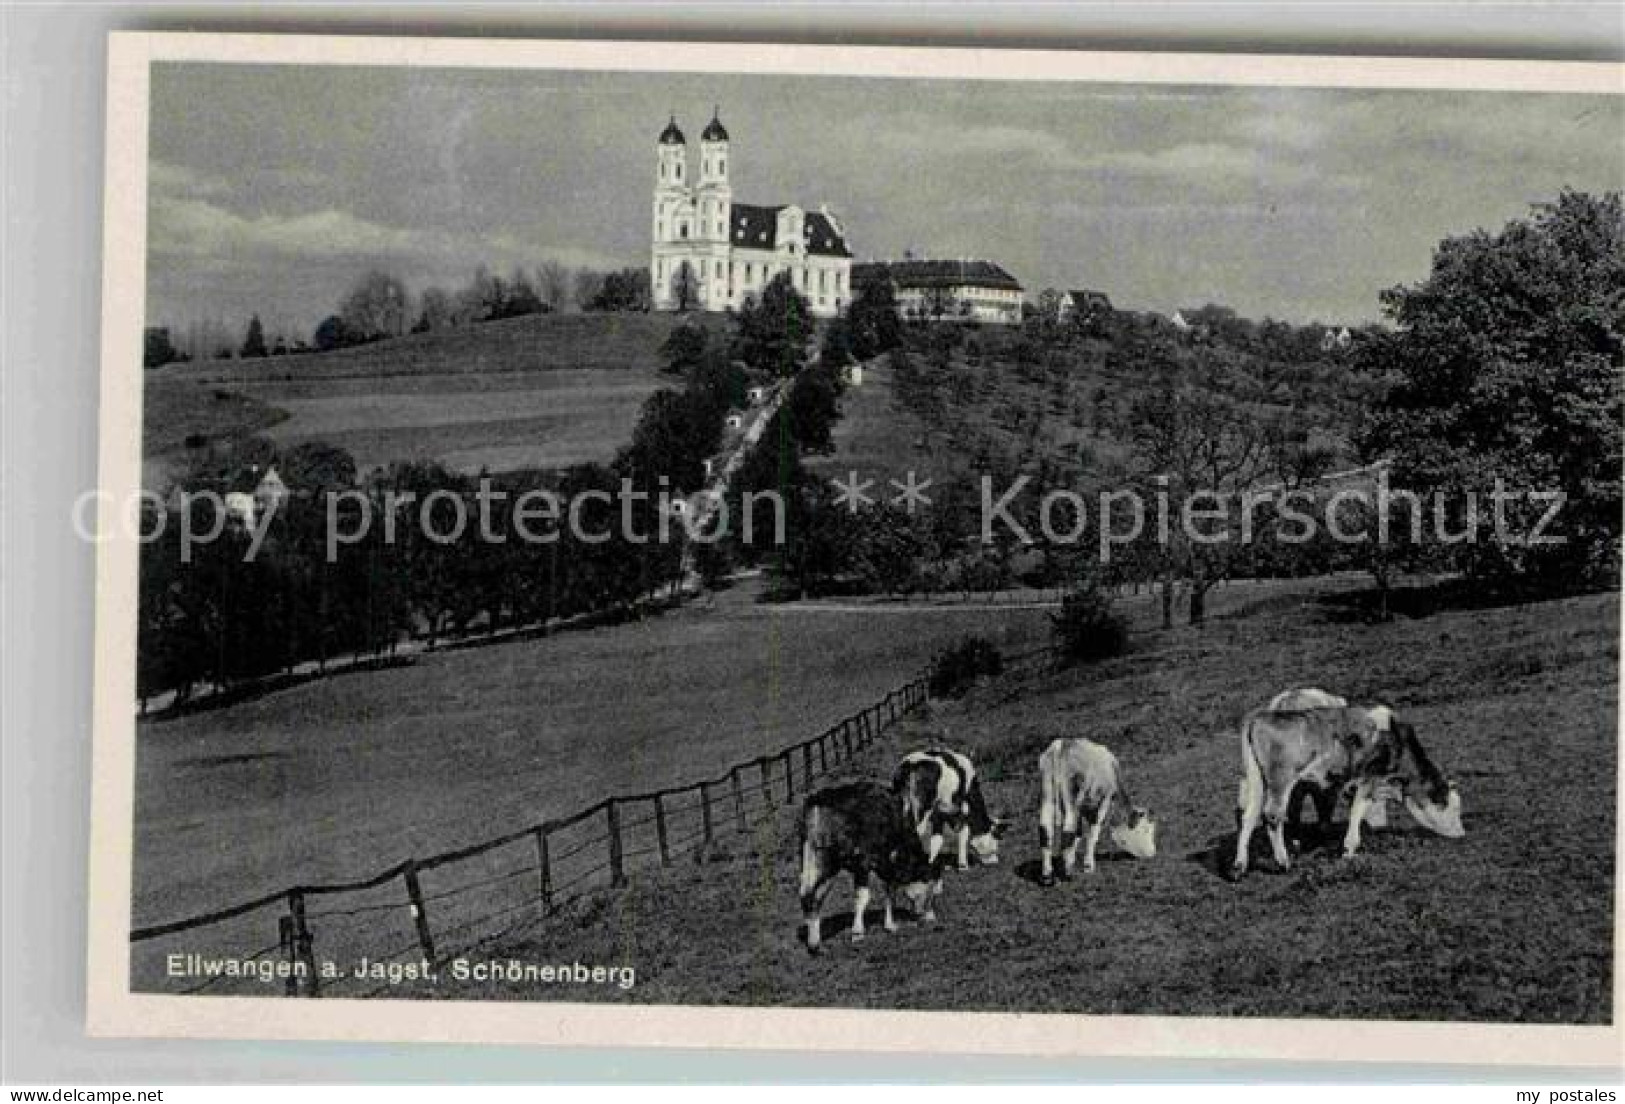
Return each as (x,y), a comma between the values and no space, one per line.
(1079,779)
(860,828)
(1324,798)
(1370,750)
(939,790)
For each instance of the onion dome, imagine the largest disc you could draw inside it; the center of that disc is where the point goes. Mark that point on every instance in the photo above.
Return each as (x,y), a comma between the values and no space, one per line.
(714,130)
(671,136)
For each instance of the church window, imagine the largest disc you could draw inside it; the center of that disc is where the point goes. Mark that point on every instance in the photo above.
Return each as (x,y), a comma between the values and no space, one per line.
(722,166)
(684,229)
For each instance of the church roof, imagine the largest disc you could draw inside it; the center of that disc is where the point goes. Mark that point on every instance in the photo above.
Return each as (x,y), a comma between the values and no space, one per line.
(714,130)
(755,227)
(936,274)
(671,136)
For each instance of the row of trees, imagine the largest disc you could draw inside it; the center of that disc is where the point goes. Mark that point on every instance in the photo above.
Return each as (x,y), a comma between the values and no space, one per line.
(212,614)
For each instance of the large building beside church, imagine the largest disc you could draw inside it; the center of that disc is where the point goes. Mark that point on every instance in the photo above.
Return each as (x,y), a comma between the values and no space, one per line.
(710,253)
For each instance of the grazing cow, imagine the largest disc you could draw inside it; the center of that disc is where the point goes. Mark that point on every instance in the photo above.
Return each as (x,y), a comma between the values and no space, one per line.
(860,828)
(939,790)
(1078,780)
(1324,797)
(1370,750)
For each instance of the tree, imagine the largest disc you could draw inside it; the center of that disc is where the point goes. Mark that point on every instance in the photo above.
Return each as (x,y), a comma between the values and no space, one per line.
(873,320)
(685,287)
(437,310)
(772,330)
(1506,364)
(813,406)
(254,342)
(158,349)
(626,290)
(553,285)
(684,348)
(331,333)
(375,308)
(1191,443)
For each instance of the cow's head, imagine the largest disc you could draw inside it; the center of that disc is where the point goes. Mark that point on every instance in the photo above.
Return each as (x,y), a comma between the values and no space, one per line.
(1432,799)
(1139,836)
(986,844)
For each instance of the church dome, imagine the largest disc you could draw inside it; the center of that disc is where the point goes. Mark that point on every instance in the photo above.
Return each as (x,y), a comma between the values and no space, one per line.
(714,130)
(671,136)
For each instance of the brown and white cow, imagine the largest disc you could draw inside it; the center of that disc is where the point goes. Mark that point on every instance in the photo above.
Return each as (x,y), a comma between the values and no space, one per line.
(1078,780)
(860,829)
(1324,798)
(939,790)
(1369,750)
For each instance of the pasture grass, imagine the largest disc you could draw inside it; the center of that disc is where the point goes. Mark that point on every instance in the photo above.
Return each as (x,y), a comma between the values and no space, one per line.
(542,390)
(1513,923)
(340,777)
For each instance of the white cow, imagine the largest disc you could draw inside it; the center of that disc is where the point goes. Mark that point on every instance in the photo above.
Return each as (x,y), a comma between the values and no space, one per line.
(1078,780)
(939,790)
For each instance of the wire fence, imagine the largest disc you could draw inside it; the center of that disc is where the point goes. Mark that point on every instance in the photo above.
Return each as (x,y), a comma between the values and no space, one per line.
(359,938)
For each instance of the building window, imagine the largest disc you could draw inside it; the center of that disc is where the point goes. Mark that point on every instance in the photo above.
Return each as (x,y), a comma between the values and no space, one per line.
(722,166)
(684,229)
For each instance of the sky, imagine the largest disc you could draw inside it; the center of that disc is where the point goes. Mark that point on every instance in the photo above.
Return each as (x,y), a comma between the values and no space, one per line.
(272,188)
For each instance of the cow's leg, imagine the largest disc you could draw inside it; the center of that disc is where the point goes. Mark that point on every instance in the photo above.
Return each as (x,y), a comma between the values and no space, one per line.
(1096,823)
(1358,805)
(1069,838)
(1046,841)
(860,905)
(1250,808)
(964,843)
(814,888)
(1275,824)
(891,921)
(931,831)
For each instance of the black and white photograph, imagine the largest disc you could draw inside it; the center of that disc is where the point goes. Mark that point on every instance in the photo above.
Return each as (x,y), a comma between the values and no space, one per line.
(788,530)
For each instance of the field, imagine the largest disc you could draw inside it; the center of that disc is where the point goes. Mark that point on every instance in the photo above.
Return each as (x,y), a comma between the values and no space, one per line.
(541,390)
(1512,923)
(340,777)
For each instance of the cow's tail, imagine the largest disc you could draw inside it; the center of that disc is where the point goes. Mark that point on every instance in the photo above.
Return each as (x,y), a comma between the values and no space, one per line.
(809,853)
(1251,794)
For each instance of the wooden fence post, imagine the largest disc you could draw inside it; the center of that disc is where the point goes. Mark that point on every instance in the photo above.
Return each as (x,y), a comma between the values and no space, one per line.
(544,867)
(767,781)
(303,944)
(660,829)
(420,915)
(707,831)
(846,738)
(789,778)
(806,763)
(617,867)
(284,938)
(739,798)
(823,754)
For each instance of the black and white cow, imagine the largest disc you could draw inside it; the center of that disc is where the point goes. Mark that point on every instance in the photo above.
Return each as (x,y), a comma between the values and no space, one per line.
(939,790)
(860,829)
(1078,781)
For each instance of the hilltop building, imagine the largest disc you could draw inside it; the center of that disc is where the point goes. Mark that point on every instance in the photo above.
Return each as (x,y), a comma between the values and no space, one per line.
(966,290)
(710,253)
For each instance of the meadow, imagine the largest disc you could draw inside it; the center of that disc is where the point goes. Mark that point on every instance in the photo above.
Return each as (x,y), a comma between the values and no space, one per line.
(1512,923)
(540,390)
(339,777)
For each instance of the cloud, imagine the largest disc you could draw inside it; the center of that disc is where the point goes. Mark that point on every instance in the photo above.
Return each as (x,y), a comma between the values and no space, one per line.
(198,228)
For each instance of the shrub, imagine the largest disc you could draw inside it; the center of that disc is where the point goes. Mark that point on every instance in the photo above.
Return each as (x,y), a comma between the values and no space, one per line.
(1086,629)
(955,669)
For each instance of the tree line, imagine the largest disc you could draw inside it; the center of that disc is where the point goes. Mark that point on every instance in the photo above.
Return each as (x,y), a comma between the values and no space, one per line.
(379,305)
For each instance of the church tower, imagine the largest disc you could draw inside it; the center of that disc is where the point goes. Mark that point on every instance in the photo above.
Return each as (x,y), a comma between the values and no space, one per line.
(713,200)
(672,225)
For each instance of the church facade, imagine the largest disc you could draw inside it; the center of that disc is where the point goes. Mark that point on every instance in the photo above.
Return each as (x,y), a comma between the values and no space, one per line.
(712,254)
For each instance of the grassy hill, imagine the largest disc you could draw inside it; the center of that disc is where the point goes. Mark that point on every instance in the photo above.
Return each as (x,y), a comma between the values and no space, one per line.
(542,389)
(1513,923)
(995,400)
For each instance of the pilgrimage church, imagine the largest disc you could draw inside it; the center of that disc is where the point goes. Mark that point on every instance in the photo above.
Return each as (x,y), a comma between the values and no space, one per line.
(710,253)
